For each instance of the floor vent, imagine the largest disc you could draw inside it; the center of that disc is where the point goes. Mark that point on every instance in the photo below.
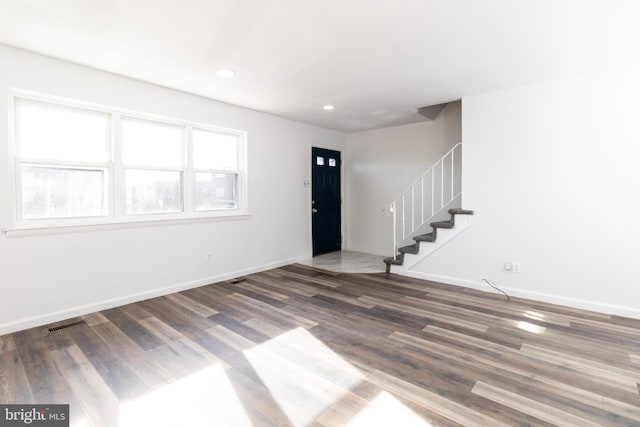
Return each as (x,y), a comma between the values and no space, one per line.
(66,325)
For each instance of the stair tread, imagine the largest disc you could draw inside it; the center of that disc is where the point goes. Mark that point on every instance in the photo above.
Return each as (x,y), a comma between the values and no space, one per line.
(460,211)
(394,261)
(410,249)
(442,224)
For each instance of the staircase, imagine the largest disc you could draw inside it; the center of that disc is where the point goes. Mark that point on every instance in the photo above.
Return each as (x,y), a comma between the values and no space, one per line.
(432,237)
(425,204)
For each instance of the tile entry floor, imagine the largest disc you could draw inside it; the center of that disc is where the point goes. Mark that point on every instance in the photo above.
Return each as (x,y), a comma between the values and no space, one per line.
(347,262)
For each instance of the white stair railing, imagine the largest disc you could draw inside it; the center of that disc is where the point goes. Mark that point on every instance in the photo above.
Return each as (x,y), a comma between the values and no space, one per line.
(429,195)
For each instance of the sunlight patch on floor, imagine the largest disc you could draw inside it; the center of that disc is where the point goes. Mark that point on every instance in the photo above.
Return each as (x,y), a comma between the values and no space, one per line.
(534,315)
(530,327)
(304,376)
(205,398)
(385,410)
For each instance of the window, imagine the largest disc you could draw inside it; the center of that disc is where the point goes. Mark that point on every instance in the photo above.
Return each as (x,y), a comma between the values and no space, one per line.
(78,165)
(153,159)
(153,191)
(215,160)
(62,192)
(63,162)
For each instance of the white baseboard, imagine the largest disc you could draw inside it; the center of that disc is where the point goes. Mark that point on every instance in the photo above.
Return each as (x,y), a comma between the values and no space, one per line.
(31,322)
(532,295)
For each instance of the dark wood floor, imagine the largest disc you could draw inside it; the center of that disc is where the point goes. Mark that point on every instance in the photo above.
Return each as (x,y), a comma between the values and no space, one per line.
(299,347)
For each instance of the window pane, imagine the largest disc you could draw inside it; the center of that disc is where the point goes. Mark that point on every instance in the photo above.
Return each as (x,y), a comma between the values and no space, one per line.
(216,191)
(57,192)
(153,191)
(52,132)
(147,143)
(320,161)
(332,163)
(213,150)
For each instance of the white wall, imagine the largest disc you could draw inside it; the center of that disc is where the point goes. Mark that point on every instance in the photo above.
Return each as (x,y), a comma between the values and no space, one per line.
(52,277)
(382,163)
(552,173)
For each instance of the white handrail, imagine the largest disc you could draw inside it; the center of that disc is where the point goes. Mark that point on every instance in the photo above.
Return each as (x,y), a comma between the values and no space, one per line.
(419,186)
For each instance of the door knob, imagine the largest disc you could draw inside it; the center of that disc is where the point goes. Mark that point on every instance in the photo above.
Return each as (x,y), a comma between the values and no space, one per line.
(314,210)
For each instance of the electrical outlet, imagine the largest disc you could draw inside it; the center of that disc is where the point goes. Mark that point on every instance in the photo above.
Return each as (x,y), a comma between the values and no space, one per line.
(516,267)
(208,256)
(508,266)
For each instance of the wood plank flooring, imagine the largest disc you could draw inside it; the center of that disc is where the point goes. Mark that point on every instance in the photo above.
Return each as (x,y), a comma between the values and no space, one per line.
(298,346)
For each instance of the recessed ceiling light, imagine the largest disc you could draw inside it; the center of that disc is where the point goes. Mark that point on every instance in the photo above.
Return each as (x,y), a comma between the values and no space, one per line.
(225,72)
(328,107)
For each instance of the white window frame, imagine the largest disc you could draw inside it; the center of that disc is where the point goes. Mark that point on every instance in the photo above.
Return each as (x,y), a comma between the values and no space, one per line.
(237,172)
(116,216)
(18,162)
(122,205)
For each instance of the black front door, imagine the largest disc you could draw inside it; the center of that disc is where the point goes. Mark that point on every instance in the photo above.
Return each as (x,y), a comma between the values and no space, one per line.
(326,201)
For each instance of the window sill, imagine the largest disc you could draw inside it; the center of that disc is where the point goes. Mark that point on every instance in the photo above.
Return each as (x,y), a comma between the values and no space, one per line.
(120,225)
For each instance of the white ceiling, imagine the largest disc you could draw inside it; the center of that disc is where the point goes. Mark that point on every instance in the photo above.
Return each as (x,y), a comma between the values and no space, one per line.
(377,61)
